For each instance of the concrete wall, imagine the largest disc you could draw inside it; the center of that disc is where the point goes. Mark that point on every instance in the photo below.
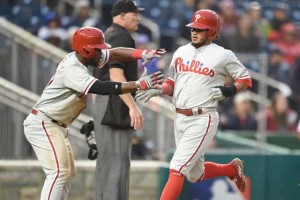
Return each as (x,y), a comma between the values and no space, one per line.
(22,180)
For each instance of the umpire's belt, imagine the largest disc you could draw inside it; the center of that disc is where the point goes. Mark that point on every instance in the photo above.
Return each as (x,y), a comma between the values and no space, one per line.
(42,115)
(193,111)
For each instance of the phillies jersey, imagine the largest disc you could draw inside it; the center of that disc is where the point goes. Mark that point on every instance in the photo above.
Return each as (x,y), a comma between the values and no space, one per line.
(196,71)
(65,95)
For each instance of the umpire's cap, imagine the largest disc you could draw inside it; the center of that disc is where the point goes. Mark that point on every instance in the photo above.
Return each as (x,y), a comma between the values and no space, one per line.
(125,6)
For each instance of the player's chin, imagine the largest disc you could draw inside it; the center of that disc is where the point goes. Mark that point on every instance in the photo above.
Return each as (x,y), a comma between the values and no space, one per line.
(195,40)
(195,43)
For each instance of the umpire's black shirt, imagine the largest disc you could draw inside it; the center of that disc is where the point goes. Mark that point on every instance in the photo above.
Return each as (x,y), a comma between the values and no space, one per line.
(118,36)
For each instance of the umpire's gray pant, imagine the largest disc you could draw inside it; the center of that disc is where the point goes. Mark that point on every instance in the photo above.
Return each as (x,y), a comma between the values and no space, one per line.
(113,162)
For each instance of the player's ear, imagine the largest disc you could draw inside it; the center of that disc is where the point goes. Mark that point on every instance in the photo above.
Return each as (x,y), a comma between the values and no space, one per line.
(122,16)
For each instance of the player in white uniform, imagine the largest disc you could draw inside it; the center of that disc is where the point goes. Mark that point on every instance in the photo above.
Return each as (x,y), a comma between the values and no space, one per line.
(64,98)
(196,80)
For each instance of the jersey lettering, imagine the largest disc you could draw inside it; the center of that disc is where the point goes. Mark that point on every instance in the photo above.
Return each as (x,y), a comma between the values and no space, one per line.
(194,66)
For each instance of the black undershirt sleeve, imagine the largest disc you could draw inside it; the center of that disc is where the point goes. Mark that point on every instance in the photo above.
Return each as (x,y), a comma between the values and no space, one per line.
(106,88)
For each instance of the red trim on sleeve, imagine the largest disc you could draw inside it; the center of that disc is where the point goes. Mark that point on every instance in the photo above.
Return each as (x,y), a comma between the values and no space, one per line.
(106,58)
(87,88)
(244,81)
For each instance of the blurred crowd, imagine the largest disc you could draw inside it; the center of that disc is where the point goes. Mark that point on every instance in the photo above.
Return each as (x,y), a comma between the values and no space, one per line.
(247,27)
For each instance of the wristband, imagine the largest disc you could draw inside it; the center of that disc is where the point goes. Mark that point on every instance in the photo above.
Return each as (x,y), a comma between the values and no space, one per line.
(165,89)
(137,53)
(229,91)
(168,87)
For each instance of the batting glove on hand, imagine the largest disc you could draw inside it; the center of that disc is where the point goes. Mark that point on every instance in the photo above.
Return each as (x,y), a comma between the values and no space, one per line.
(217,94)
(148,55)
(220,92)
(145,95)
(149,81)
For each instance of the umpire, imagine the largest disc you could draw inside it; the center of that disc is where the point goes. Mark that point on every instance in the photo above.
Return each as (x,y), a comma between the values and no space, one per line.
(116,117)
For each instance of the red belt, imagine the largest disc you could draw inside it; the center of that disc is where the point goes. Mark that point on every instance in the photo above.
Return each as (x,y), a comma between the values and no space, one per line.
(36,112)
(189,112)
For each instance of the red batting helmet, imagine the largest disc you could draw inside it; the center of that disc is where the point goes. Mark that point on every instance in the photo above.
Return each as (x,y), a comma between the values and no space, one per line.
(86,40)
(206,19)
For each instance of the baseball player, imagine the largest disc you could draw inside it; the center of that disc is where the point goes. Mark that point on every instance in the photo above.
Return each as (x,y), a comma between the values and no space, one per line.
(196,80)
(65,97)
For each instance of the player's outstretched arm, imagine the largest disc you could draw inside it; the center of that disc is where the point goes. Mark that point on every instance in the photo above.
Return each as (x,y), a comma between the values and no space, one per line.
(116,88)
(127,54)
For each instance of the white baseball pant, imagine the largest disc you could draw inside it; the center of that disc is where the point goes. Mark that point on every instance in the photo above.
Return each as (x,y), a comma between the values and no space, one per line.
(54,152)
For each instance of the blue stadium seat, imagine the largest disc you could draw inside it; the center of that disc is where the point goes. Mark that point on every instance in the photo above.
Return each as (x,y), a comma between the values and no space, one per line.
(268,13)
(164,4)
(155,13)
(66,21)
(295,14)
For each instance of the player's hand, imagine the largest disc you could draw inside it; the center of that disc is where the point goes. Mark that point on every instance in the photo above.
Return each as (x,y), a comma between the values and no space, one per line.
(220,92)
(136,118)
(145,95)
(148,55)
(150,81)
(217,94)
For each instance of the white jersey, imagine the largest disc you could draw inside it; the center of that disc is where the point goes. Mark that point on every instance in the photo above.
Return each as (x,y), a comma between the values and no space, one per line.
(196,71)
(65,95)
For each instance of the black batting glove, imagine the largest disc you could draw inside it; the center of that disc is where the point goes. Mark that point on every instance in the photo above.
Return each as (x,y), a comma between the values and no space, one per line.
(228,91)
(220,92)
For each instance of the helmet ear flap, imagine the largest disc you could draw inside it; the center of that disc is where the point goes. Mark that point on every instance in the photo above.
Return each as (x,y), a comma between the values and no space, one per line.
(212,33)
(85,50)
(89,52)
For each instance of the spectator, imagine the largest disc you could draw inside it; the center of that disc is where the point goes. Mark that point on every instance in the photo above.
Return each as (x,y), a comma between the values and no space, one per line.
(280,117)
(68,44)
(288,43)
(206,4)
(229,19)
(295,83)
(53,31)
(83,15)
(298,130)
(261,25)
(280,17)
(278,69)
(186,13)
(245,40)
(243,115)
